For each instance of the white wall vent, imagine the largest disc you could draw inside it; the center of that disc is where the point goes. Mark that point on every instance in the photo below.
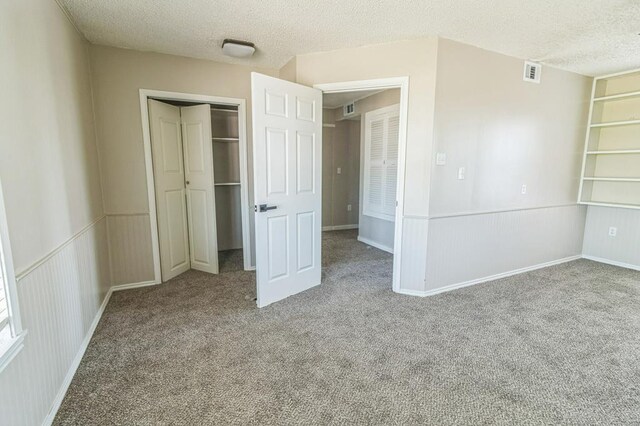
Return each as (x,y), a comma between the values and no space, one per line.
(532,72)
(349,109)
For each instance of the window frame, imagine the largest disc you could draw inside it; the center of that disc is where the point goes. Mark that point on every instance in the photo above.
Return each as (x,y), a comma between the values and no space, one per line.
(9,347)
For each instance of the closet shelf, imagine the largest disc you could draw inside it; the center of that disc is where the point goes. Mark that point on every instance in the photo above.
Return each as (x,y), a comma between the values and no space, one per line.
(620,151)
(616,123)
(225,139)
(224,110)
(616,97)
(603,204)
(227,184)
(609,179)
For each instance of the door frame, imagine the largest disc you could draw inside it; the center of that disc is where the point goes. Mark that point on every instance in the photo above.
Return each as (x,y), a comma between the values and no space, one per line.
(401,83)
(145,94)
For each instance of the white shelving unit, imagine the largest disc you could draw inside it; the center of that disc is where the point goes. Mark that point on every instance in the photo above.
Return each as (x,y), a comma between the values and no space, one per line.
(611,164)
(226,171)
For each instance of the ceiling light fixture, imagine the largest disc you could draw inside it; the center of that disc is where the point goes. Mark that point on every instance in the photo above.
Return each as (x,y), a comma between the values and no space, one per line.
(238,48)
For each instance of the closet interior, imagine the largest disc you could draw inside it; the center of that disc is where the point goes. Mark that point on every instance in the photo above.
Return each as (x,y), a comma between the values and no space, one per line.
(186,237)
(226,176)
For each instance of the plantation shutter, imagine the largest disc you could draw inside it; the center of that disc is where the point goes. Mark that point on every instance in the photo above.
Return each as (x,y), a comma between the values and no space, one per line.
(382,129)
(4,309)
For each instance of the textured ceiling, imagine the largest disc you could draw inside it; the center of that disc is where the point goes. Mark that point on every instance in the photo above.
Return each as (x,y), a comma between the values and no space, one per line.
(587,36)
(335,100)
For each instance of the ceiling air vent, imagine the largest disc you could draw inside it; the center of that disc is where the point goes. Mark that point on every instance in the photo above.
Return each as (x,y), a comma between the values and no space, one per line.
(532,72)
(349,109)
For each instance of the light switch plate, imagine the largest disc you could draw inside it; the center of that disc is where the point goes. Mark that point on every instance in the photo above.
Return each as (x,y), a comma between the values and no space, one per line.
(461,173)
(339,170)
(441,159)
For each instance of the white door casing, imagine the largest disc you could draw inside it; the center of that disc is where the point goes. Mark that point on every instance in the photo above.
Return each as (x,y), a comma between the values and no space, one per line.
(166,143)
(287,147)
(198,171)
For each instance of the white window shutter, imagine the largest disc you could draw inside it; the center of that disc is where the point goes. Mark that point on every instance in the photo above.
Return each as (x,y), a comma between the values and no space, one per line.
(376,165)
(382,129)
(4,308)
(391,165)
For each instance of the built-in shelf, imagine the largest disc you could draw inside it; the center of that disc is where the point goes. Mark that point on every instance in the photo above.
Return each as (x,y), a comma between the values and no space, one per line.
(616,123)
(611,149)
(227,184)
(619,151)
(610,179)
(596,203)
(616,97)
(217,139)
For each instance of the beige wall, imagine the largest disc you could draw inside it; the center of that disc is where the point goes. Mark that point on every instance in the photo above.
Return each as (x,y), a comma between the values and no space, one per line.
(48,166)
(506,133)
(50,176)
(118,74)
(340,149)
(288,71)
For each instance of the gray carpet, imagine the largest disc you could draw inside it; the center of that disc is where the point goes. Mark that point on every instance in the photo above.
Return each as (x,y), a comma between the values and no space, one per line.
(559,345)
(230,261)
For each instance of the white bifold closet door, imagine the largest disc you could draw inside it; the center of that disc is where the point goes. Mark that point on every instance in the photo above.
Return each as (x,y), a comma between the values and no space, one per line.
(183,173)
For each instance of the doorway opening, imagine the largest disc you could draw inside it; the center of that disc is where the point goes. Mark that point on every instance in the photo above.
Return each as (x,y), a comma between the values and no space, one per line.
(380,109)
(288,163)
(360,168)
(195,150)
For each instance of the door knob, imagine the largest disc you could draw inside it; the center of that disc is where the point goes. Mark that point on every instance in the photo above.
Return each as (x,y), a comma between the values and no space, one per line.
(187,182)
(264,208)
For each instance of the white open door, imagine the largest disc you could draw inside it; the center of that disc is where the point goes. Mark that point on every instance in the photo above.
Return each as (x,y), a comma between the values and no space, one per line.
(198,170)
(287,150)
(168,170)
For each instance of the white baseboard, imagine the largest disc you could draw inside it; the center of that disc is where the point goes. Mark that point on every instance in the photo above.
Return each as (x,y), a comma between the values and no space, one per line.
(83,347)
(489,278)
(133,285)
(375,244)
(339,227)
(612,262)
(76,362)
(250,268)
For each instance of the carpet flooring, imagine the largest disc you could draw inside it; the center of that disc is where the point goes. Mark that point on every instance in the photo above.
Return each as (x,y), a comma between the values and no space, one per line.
(230,261)
(559,345)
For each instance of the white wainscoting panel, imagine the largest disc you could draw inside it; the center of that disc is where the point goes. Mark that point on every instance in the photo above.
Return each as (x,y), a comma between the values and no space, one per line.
(59,301)
(472,247)
(414,254)
(130,248)
(624,248)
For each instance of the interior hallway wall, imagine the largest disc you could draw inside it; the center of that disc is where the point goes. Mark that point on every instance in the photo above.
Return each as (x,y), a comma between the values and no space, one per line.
(118,74)
(340,149)
(50,175)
